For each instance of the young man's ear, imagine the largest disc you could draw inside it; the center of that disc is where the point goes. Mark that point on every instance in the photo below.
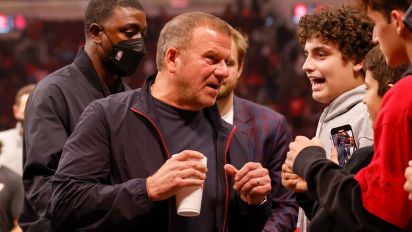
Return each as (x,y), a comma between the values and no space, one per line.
(357,67)
(390,85)
(397,17)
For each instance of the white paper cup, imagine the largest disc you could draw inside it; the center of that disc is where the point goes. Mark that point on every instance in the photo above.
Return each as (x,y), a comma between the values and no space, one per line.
(189,199)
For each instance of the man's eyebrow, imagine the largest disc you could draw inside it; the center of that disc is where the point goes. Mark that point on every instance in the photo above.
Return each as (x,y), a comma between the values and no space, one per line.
(135,26)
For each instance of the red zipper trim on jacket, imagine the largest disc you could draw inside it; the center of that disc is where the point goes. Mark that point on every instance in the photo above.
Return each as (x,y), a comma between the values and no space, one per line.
(164,145)
(226,178)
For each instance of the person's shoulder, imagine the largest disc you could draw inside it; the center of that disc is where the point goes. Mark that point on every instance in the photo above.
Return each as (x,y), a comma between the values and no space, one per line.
(401,90)
(7,133)
(119,99)
(58,80)
(60,75)
(404,84)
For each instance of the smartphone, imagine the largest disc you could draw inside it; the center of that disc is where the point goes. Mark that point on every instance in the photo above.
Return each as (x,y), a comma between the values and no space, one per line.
(407,18)
(344,142)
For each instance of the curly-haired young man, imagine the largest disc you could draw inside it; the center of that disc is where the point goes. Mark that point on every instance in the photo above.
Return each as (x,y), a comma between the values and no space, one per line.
(377,188)
(335,41)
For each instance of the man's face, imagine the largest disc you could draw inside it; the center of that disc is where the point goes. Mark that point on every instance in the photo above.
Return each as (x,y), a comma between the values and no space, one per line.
(18,109)
(229,84)
(388,38)
(125,23)
(371,98)
(202,67)
(329,75)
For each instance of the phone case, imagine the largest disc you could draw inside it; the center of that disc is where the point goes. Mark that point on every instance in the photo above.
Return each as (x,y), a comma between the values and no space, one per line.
(344,142)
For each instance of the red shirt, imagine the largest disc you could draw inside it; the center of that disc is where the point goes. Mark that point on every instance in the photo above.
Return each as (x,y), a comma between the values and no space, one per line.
(382,181)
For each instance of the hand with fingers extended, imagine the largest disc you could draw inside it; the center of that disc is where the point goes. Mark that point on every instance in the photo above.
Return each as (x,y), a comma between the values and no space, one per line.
(182,170)
(292,181)
(252,182)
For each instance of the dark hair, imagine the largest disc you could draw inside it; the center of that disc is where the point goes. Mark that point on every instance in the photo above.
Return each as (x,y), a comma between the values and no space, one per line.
(27,89)
(385,6)
(98,11)
(345,27)
(375,62)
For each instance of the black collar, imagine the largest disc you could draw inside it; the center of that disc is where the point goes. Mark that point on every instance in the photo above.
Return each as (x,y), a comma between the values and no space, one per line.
(84,64)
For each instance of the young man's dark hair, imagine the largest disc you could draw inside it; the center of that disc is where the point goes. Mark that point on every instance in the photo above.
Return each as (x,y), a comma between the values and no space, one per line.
(381,72)
(386,6)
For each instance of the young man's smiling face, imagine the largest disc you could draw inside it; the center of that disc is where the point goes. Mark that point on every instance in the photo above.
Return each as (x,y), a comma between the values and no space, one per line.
(329,75)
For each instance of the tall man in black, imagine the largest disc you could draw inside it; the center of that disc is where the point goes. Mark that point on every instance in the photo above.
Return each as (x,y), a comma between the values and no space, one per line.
(114,47)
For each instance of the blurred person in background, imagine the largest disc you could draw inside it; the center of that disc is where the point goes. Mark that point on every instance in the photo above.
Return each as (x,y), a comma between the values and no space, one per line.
(12,139)
(11,198)
(114,31)
(265,133)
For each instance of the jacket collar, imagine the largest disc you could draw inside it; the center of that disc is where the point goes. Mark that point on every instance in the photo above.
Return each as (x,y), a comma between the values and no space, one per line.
(239,111)
(146,104)
(84,64)
(242,119)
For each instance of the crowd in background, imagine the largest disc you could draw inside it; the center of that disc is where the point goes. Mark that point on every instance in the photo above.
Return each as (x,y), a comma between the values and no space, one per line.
(272,74)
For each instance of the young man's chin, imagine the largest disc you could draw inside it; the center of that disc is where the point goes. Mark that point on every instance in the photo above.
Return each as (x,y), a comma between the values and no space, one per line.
(320,98)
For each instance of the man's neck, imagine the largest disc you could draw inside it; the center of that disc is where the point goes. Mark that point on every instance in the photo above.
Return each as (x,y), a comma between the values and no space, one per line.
(165,91)
(225,104)
(108,80)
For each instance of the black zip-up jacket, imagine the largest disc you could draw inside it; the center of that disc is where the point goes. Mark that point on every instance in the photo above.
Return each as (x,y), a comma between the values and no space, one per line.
(333,201)
(100,184)
(51,114)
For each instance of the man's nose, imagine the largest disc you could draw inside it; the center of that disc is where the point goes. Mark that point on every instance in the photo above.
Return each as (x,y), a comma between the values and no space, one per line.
(307,66)
(222,70)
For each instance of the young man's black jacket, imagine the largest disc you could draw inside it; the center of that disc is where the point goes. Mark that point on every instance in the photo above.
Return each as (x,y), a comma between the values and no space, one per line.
(333,201)
(100,184)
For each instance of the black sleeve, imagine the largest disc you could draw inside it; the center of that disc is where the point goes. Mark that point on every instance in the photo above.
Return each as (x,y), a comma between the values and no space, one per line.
(83,196)
(17,197)
(250,218)
(44,136)
(336,190)
(308,204)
